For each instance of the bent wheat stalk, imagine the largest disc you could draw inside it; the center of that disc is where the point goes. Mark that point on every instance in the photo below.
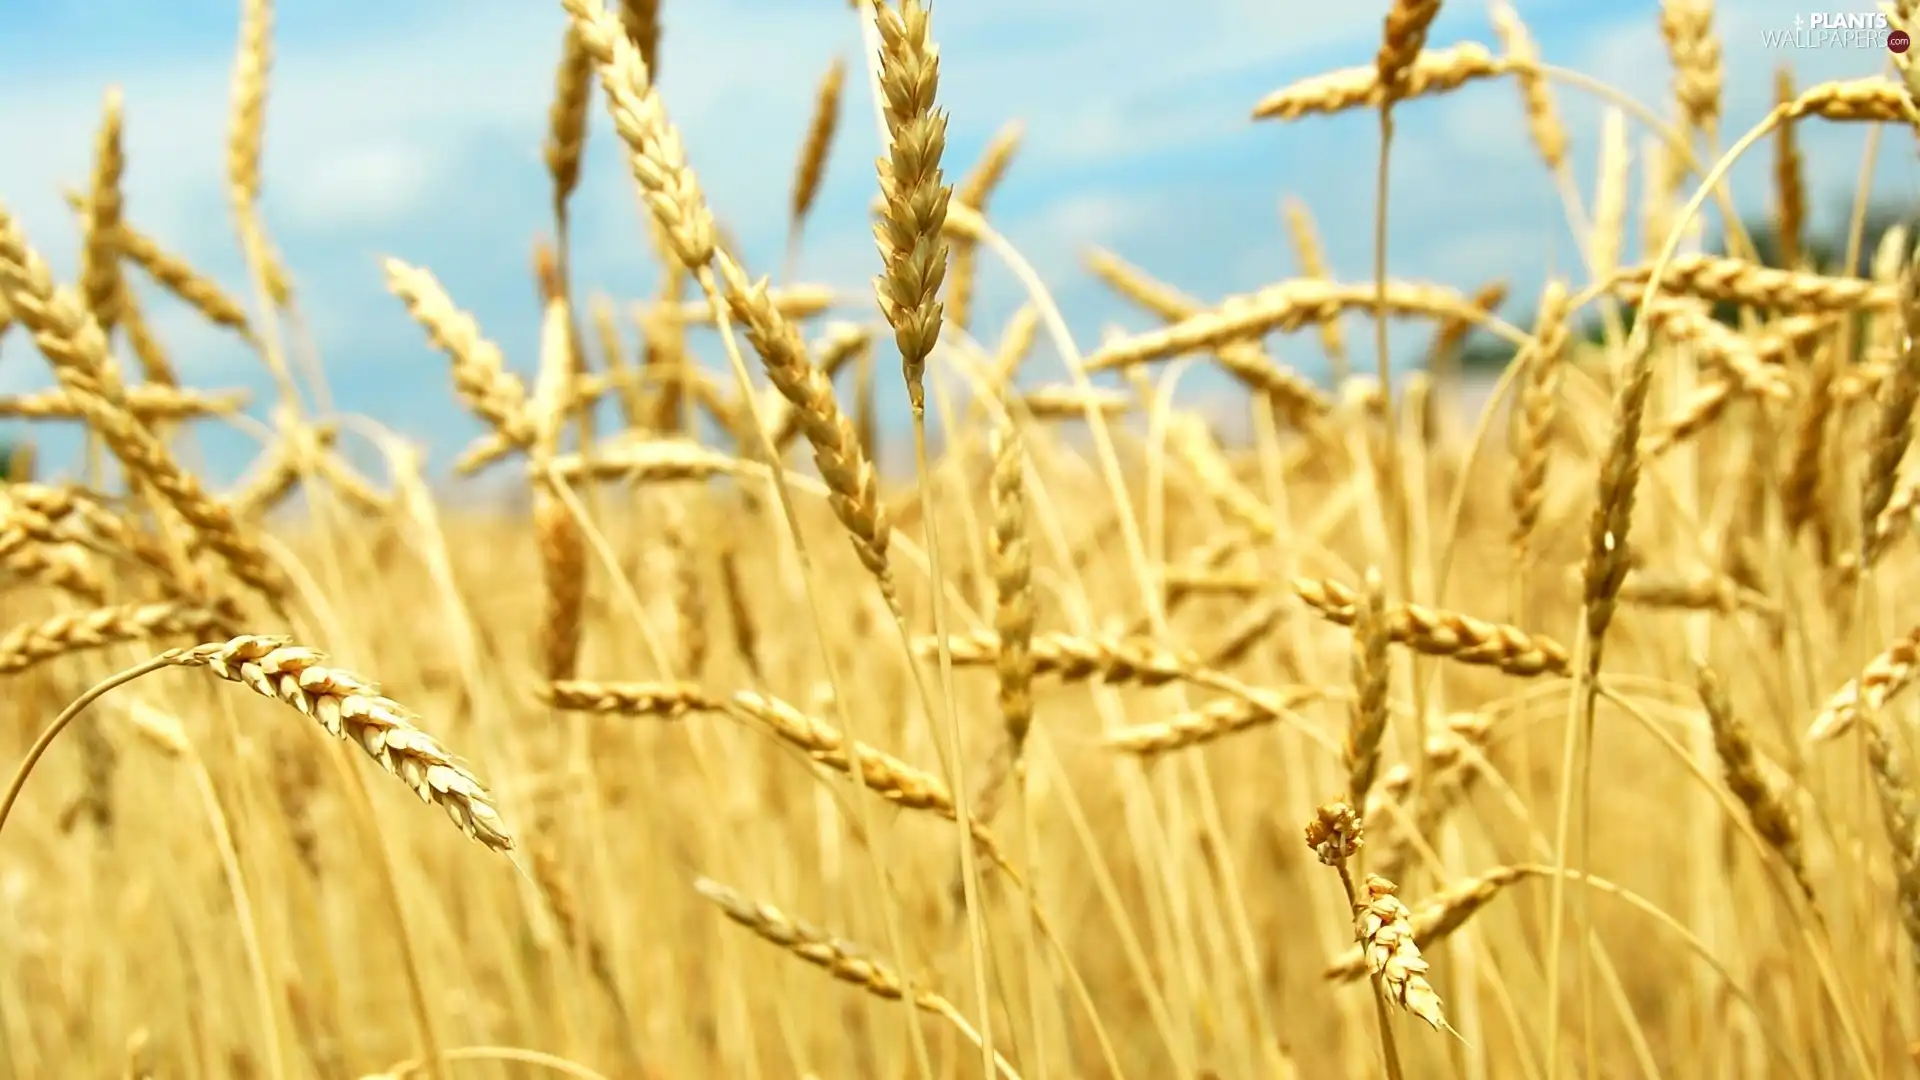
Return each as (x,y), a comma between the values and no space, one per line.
(343,703)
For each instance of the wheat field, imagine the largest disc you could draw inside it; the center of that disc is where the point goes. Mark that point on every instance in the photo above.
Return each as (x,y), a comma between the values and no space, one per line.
(1560,735)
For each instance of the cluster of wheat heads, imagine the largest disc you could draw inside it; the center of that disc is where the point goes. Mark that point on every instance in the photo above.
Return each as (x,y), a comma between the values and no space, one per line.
(1101,746)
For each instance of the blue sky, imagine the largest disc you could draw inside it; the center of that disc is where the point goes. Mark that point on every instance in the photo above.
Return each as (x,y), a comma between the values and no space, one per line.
(414,130)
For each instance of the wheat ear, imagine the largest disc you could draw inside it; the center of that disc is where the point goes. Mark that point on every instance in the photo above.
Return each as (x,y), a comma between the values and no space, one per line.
(914,196)
(77,349)
(838,957)
(349,707)
(814,152)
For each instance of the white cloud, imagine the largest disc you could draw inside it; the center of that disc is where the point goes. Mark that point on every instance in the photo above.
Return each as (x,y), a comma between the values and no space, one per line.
(361,186)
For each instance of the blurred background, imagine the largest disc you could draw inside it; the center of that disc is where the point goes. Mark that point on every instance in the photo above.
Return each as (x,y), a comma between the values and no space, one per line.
(415,129)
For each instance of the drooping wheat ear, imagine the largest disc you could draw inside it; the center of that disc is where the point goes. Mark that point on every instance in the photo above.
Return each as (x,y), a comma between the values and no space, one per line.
(1873,99)
(887,776)
(150,403)
(349,707)
(1450,634)
(655,154)
(480,374)
(1720,279)
(276,472)
(1063,402)
(641,20)
(354,487)
(39,507)
(1245,360)
(77,350)
(1900,811)
(1385,930)
(1214,720)
(29,558)
(69,632)
(567,118)
(1706,404)
(172,273)
(1885,676)
(57,568)
(58,514)
(1403,39)
(1724,350)
(797,302)
(102,287)
(1072,658)
(849,474)
(1437,71)
(838,957)
(913,253)
(1607,561)
(1687,28)
(907,786)
(1771,815)
(1313,265)
(563,566)
(818,145)
(975,189)
(1703,590)
(1533,424)
(155,364)
(1286,306)
(1201,579)
(1437,918)
(1899,392)
(1544,126)
(659,700)
(1789,177)
(649,461)
(1371,675)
